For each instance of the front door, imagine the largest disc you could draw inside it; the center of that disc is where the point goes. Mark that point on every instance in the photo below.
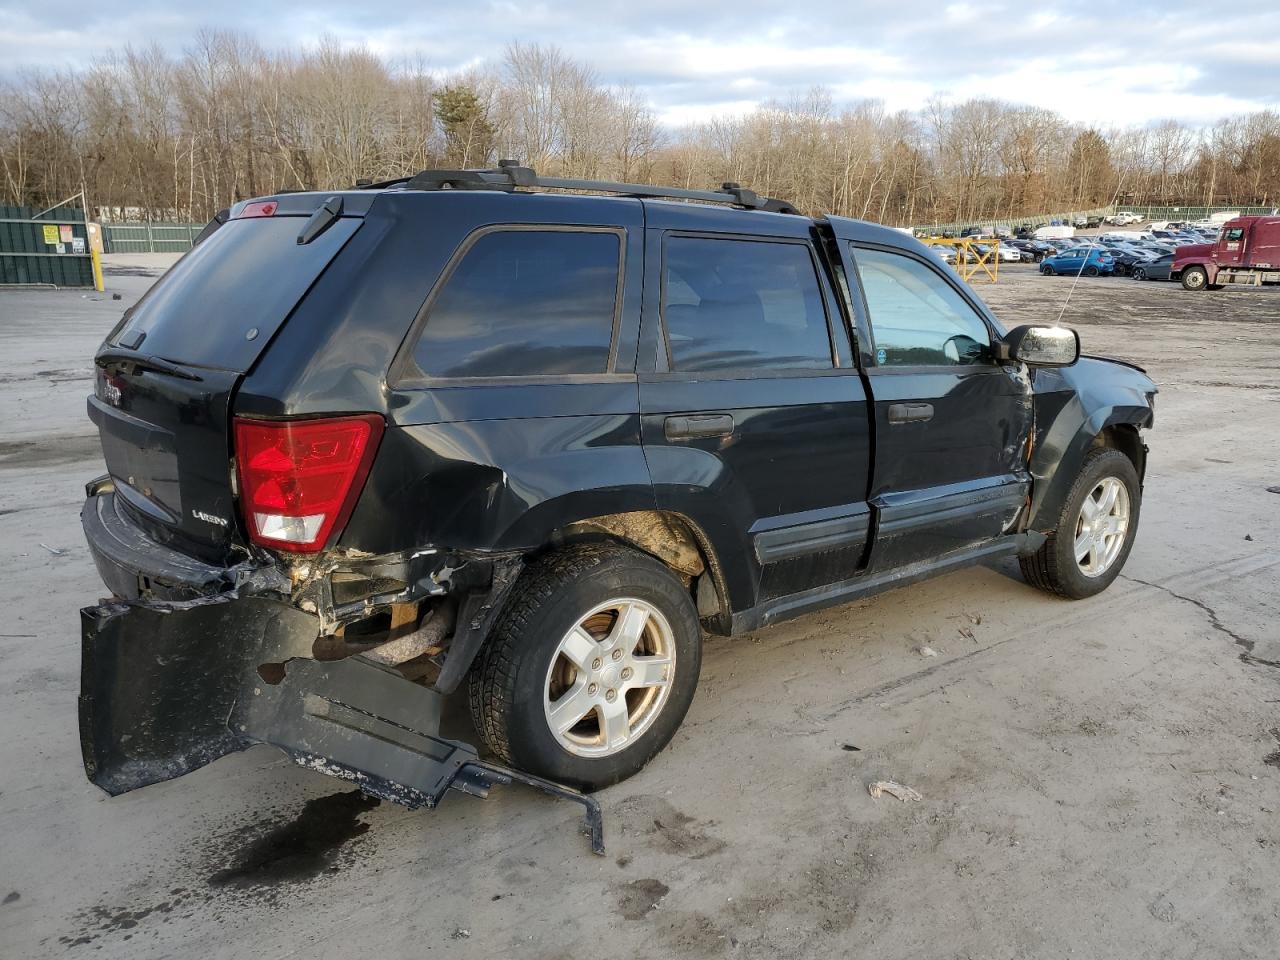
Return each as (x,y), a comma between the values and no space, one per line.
(755,422)
(1231,249)
(951,424)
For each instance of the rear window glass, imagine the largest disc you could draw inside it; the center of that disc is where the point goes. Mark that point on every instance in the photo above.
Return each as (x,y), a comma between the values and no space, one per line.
(525,303)
(247,276)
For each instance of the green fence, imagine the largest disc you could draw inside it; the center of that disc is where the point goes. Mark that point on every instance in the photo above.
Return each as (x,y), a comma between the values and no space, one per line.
(47,248)
(1027,220)
(149,237)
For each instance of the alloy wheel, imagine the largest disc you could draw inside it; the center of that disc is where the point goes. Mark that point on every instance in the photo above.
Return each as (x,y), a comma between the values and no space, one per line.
(1102,526)
(610,677)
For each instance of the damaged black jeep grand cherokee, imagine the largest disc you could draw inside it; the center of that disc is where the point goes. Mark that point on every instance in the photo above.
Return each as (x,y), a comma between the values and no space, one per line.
(367,447)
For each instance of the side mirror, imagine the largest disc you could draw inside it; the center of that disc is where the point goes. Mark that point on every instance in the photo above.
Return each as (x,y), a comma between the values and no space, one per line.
(1041,346)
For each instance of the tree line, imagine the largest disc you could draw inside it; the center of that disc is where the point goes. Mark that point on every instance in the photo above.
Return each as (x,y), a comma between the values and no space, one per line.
(147,135)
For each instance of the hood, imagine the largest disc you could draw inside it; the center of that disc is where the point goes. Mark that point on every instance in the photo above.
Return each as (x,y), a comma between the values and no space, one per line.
(1101,365)
(1185,251)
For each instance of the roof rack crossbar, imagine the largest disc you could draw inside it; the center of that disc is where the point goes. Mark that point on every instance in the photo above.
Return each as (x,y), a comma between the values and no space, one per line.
(510,175)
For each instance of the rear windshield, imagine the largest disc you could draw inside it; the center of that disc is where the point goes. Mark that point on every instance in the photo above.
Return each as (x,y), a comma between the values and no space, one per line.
(222,302)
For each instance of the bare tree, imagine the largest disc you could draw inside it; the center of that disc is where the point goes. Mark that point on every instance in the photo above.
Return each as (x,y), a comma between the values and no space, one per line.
(149,135)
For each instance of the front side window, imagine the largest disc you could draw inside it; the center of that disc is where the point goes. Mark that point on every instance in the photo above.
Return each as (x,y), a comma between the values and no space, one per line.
(525,303)
(743,304)
(1235,234)
(917,318)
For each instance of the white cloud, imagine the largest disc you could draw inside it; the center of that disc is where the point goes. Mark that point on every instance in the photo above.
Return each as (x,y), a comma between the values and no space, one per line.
(1103,64)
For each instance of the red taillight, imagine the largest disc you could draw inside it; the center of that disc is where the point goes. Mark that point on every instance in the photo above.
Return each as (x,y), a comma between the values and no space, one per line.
(299,479)
(260,208)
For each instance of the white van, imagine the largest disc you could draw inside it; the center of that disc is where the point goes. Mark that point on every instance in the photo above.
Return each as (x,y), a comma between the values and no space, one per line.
(1054,233)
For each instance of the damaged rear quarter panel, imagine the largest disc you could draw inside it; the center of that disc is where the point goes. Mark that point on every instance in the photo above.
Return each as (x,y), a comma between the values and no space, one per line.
(501,485)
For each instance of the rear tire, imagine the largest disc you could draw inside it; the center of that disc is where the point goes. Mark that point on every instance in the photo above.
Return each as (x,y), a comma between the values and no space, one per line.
(538,689)
(1090,271)
(1055,567)
(1195,278)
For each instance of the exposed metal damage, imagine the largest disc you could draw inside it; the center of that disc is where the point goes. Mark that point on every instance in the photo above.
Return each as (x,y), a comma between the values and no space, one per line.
(341,661)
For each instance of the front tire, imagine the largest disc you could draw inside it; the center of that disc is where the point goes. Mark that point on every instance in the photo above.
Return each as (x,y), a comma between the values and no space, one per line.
(1094,534)
(1139,273)
(1194,278)
(591,668)
(1046,270)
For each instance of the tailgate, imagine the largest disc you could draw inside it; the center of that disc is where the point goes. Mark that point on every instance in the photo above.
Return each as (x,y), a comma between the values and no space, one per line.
(165,441)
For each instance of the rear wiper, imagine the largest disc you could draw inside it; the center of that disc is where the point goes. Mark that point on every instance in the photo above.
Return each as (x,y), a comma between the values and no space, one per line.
(142,361)
(321,220)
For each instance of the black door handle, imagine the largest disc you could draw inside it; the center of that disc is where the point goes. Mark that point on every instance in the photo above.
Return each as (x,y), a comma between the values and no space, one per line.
(691,427)
(910,412)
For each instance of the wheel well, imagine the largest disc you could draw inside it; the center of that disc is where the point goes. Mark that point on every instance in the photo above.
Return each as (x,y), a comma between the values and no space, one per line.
(675,540)
(1124,437)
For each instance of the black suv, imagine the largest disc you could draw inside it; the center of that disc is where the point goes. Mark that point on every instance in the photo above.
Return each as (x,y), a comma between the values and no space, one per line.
(368,446)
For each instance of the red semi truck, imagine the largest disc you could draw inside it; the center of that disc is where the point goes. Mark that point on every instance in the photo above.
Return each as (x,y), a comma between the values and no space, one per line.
(1247,251)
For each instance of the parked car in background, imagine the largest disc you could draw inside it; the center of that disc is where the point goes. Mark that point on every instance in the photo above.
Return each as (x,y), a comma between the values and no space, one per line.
(1089,261)
(1156,269)
(1131,234)
(1124,218)
(1127,261)
(946,254)
(1033,251)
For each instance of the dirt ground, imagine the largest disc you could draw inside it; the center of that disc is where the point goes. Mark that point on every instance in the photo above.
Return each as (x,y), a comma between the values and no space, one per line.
(1099,779)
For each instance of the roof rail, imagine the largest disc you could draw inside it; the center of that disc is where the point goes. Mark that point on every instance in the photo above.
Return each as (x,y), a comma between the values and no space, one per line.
(510,175)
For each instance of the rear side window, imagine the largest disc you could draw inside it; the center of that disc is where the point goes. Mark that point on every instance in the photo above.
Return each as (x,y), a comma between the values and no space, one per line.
(743,304)
(525,303)
(222,302)
(917,317)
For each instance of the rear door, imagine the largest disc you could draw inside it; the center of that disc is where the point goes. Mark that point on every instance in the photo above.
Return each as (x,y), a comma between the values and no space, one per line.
(166,374)
(755,421)
(952,425)
(513,404)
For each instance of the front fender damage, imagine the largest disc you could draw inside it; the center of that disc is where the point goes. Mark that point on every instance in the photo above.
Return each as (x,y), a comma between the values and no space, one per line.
(167,688)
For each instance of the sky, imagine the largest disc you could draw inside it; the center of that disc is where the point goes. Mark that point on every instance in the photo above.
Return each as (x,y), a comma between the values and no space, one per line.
(1099,62)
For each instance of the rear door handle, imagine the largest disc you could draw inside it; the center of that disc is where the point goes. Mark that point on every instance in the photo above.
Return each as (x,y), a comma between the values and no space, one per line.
(910,412)
(692,427)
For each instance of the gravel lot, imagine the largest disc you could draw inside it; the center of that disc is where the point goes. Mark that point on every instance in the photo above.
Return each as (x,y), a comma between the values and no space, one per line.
(1100,779)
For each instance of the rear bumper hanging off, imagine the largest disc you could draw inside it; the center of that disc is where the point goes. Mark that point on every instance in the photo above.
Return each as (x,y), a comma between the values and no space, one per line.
(168,688)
